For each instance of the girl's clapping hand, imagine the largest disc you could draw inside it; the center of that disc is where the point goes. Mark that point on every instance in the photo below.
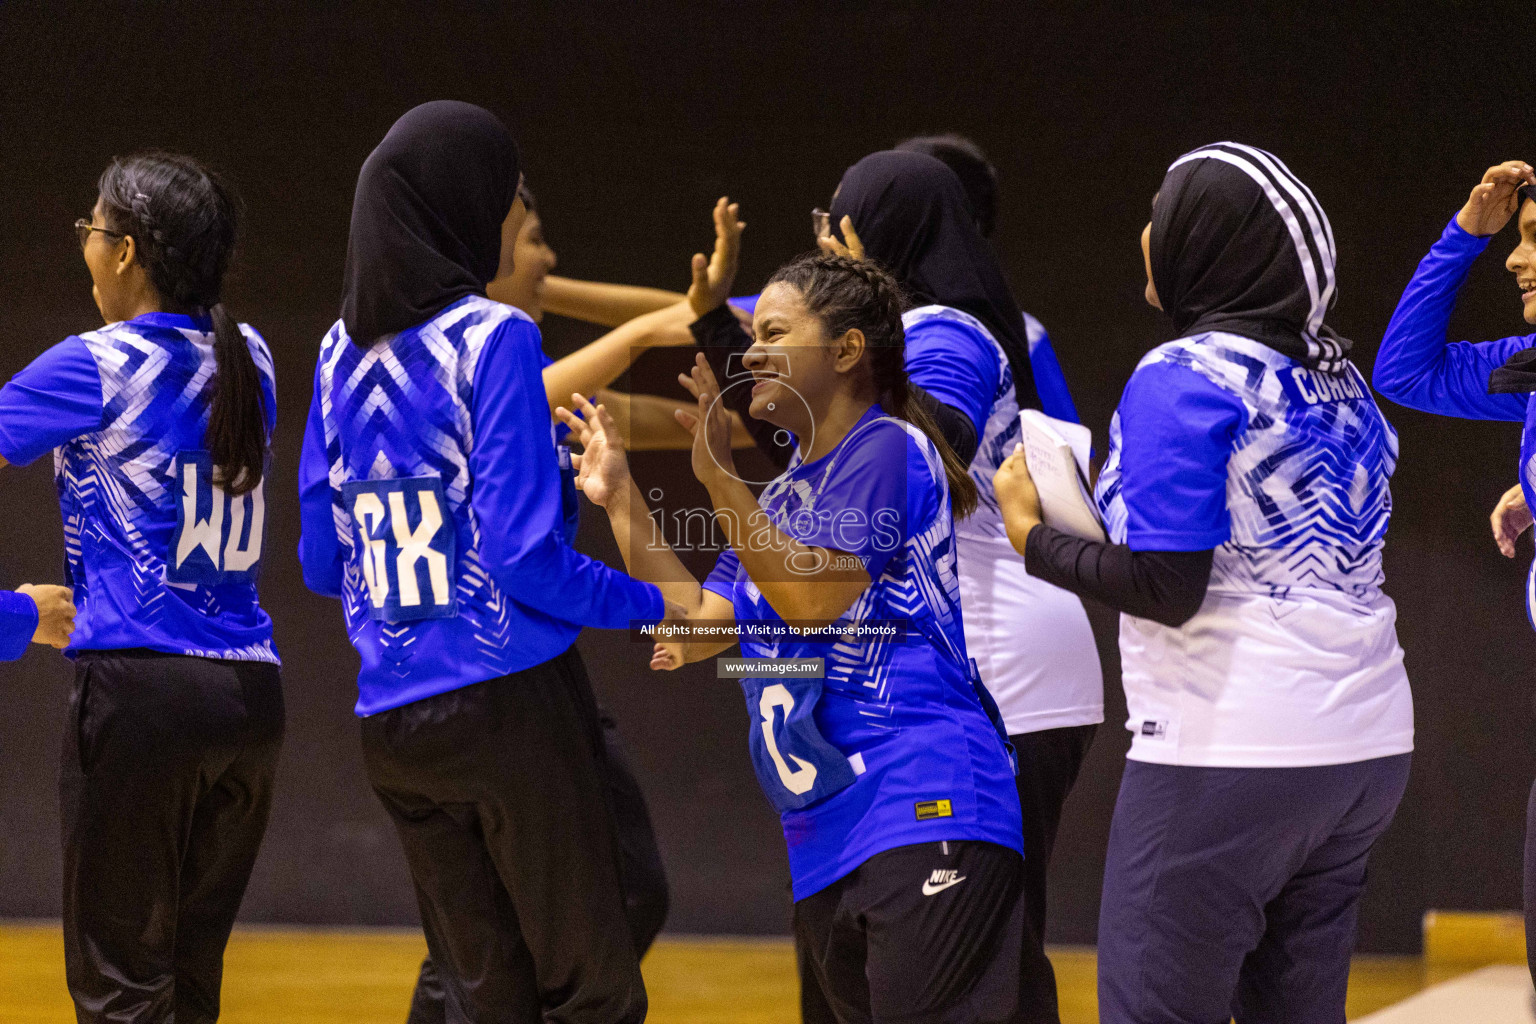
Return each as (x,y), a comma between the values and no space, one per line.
(602,469)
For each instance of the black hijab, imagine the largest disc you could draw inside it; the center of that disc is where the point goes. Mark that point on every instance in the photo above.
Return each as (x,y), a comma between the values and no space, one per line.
(426,218)
(1239,244)
(912,215)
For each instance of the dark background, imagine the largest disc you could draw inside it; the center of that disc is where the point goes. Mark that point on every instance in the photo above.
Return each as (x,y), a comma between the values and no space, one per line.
(632,119)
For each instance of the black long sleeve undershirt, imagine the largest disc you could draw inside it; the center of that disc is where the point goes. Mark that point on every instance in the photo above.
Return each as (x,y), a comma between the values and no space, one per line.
(720,335)
(1164,586)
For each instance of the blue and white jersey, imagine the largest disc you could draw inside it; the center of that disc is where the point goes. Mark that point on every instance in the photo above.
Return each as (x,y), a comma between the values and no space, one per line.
(160,557)
(1223,443)
(1420,367)
(893,746)
(433,505)
(1050,383)
(1031,640)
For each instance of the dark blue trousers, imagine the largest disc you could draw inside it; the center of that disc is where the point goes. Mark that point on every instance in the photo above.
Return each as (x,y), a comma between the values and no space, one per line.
(1232,893)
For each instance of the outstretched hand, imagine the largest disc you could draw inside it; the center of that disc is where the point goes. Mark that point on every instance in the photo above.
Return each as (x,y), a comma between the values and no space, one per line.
(1511,517)
(854,247)
(1494,200)
(710,423)
(602,469)
(713,277)
(667,657)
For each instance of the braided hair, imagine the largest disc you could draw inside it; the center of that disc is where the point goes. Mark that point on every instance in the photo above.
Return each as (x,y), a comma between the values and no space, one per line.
(847,294)
(183,220)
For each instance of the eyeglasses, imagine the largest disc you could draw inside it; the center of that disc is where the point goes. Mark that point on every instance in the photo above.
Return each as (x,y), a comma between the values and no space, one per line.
(821,222)
(83,231)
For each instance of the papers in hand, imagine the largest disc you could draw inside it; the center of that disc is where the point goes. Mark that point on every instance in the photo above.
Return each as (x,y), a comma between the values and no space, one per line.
(1057,454)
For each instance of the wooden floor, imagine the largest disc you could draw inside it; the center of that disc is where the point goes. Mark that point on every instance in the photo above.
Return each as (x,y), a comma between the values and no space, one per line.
(293,976)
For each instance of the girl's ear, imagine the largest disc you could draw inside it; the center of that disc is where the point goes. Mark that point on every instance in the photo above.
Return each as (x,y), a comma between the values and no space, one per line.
(848,350)
(125,258)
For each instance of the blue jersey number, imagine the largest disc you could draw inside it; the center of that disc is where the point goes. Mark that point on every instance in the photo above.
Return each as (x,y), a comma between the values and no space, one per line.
(796,766)
(218,537)
(406,539)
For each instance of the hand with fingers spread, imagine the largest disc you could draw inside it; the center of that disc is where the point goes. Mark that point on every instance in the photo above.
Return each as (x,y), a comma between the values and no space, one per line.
(850,247)
(1511,517)
(1495,199)
(55,613)
(602,468)
(667,657)
(710,423)
(713,277)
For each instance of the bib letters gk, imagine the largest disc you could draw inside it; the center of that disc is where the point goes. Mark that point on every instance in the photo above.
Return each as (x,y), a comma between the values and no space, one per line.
(218,537)
(405,537)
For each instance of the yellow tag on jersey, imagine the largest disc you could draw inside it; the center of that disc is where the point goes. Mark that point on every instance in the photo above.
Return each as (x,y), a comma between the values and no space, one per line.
(934,809)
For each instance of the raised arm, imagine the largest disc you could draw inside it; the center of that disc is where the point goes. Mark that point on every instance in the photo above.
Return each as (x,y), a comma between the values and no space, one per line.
(1416,365)
(603,475)
(594,366)
(517,497)
(648,423)
(806,583)
(599,303)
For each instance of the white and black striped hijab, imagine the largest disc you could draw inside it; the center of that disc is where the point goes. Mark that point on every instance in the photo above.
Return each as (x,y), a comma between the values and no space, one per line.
(1240,244)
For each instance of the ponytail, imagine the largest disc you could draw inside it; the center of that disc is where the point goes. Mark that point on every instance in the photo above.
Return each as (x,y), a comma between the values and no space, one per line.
(237,419)
(847,294)
(183,220)
(897,400)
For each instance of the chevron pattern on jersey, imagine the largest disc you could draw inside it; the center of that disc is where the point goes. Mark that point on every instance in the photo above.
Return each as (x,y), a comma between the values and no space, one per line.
(404,408)
(919,585)
(116,485)
(1307,485)
(998,436)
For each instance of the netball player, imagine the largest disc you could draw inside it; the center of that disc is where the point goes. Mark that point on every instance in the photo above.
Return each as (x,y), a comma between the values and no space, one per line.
(521,281)
(161,421)
(967,355)
(432,506)
(1489,380)
(1246,495)
(647,422)
(968,346)
(979,179)
(894,787)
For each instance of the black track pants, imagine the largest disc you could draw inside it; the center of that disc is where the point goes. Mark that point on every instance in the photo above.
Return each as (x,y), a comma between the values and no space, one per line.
(165,788)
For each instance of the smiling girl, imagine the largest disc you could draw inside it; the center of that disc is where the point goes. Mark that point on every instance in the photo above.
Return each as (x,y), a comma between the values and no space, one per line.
(894,788)
(1419,367)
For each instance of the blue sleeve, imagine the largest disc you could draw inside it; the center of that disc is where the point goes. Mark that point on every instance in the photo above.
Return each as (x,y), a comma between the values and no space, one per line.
(561,430)
(745,303)
(956,364)
(319,547)
(1050,382)
(261,354)
(54,400)
(1176,434)
(1417,368)
(18,624)
(517,496)
(722,578)
(866,505)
